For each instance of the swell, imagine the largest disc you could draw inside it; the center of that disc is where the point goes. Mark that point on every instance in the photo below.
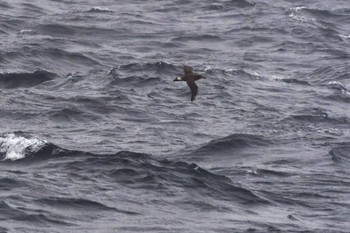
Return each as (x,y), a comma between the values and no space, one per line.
(66,56)
(22,147)
(50,58)
(228,5)
(160,67)
(165,176)
(136,81)
(72,114)
(4,5)
(34,9)
(324,75)
(78,205)
(98,10)
(71,30)
(335,78)
(231,144)
(322,14)
(142,75)
(22,214)
(340,154)
(203,38)
(325,27)
(129,169)
(17,80)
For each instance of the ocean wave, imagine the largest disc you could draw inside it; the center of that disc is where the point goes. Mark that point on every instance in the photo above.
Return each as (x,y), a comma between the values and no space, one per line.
(335,78)
(16,146)
(64,31)
(134,170)
(54,29)
(141,75)
(10,183)
(296,14)
(146,172)
(136,81)
(34,217)
(238,3)
(340,87)
(272,104)
(159,67)
(205,37)
(227,5)
(344,36)
(327,74)
(17,80)
(307,14)
(324,20)
(67,56)
(22,147)
(231,144)
(8,211)
(341,94)
(327,14)
(77,205)
(262,172)
(233,73)
(99,106)
(316,116)
(310,115)
(98,9)
(71,115)
(214,7)
(4,5)
(341,154)
(294,81)
(34,9)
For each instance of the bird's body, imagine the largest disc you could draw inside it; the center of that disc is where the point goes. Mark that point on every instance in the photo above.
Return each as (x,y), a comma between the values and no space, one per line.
(190,79)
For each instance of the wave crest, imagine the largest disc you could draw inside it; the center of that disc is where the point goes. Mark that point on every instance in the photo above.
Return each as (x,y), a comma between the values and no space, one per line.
(16,80)
(133,170)
(231,144)
(15,147)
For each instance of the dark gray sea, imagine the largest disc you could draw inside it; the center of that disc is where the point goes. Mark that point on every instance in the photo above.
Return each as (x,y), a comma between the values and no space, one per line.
(96,137)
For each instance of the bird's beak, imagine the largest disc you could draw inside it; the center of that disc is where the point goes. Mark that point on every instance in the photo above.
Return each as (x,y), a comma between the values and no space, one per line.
(177,79)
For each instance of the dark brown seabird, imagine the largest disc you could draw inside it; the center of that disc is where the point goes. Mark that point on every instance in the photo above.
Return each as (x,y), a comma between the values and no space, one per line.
(190,79)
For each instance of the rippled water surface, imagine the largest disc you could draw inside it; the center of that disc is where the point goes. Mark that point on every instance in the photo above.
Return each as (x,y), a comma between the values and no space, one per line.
(96,137)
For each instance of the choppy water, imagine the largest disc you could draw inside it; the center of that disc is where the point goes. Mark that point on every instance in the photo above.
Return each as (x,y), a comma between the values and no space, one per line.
(96,137)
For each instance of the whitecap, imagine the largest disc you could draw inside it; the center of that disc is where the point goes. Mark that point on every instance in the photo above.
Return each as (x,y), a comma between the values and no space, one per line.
(17,147)
(26,31)
(98,9)
(344,36)
(338,85)
(295,13)
(208,68)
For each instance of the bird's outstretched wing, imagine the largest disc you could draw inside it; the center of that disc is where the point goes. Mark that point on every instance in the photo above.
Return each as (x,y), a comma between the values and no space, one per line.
(194,89)
(187,70)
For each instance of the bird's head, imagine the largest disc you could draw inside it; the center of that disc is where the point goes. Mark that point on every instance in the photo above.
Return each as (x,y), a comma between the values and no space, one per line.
(178,79)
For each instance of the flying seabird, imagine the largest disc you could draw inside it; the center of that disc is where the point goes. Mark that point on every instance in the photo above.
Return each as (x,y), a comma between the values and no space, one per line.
(190,77)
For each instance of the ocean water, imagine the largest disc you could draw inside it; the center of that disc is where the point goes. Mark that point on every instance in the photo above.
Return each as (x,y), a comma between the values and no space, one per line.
(96,137)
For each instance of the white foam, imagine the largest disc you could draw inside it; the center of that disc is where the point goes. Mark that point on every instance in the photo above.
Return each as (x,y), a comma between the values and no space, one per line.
(335,83)
(208,68)
(344,89)
(26,31)
(295,14)
(345,36)
(99,9)
(16,147)
(232,70)
(299,8)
